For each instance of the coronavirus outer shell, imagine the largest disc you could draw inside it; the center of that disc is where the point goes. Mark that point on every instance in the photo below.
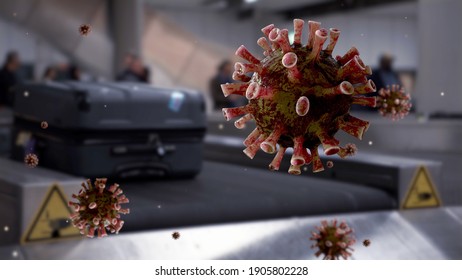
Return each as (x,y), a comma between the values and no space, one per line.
(299,95)
(98,208)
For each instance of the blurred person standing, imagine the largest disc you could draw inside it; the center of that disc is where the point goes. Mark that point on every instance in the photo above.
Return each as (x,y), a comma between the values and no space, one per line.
(223,76)
(134,70)
(74,73)
(9,77)
(385,75)
(50,74)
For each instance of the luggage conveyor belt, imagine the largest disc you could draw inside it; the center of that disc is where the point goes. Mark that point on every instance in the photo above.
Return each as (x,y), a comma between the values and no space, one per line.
(432,233)
(221,193)
(227,193)
(393,174)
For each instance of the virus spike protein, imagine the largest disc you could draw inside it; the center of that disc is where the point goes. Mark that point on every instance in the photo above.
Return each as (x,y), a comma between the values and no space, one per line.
(299,95)
(98,208)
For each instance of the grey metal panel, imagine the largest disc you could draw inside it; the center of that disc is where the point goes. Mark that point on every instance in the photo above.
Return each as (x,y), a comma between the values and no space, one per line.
(22,190)
(394,235)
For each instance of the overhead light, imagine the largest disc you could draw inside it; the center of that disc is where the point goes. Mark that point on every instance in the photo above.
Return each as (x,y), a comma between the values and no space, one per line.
(250,1)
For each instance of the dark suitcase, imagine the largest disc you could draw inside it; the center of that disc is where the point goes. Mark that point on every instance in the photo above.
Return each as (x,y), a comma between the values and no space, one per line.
(110,129)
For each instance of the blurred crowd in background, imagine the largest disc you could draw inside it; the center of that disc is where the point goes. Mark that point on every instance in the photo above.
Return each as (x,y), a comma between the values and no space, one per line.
(135,71)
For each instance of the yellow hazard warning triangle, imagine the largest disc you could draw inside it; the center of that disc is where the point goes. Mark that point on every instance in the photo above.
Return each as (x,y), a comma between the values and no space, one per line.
(421,192)
(52,219)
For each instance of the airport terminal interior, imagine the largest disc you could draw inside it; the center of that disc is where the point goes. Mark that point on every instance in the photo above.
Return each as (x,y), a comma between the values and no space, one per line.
(230,129)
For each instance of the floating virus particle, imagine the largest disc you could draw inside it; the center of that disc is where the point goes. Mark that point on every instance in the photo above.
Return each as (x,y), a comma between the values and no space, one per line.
(84,29)
(332,240)
(98,208)
(299,95)
(44,125)
(176,235)
(330,164)
(348,151)
(31,160)
(394,102)
(366,242)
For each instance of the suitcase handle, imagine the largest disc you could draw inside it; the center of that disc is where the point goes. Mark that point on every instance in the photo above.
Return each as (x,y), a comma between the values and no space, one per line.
(142,169)
(154,146)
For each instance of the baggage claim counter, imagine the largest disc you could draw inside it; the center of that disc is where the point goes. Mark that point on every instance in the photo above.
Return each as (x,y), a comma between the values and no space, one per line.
(224,207)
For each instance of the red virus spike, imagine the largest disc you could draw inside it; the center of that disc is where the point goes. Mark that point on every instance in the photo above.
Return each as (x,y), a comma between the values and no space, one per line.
(240,77)
(320,36)
(253,136)
(244,68)
(332,240)
(281,38)
(274,165)
(298,157)
(263,43)
(300,96)
(266,30)
(295,170)
(306,156)
(289,61)
(298,29)
(238,89)
(313,26)
(348,56)
(256,91)
(245,54)
(97,208)
(394,102)
(365,88)
(269,145)
(252,149)
(365,101)
(334,34)
(356,131)
(317,163)
(240,123)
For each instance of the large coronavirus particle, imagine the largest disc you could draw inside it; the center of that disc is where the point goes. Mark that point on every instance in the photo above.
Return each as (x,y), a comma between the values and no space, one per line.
(333,241)
(299,95)
(393,102)
(98,208)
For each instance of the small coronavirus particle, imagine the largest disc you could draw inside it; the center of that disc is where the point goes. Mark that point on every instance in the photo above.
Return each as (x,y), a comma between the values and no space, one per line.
(44,125)
(393,102)
(176,235)
(31,160)
(366,242)
(299,95)
(333,241)
(84,29)
(98,208)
